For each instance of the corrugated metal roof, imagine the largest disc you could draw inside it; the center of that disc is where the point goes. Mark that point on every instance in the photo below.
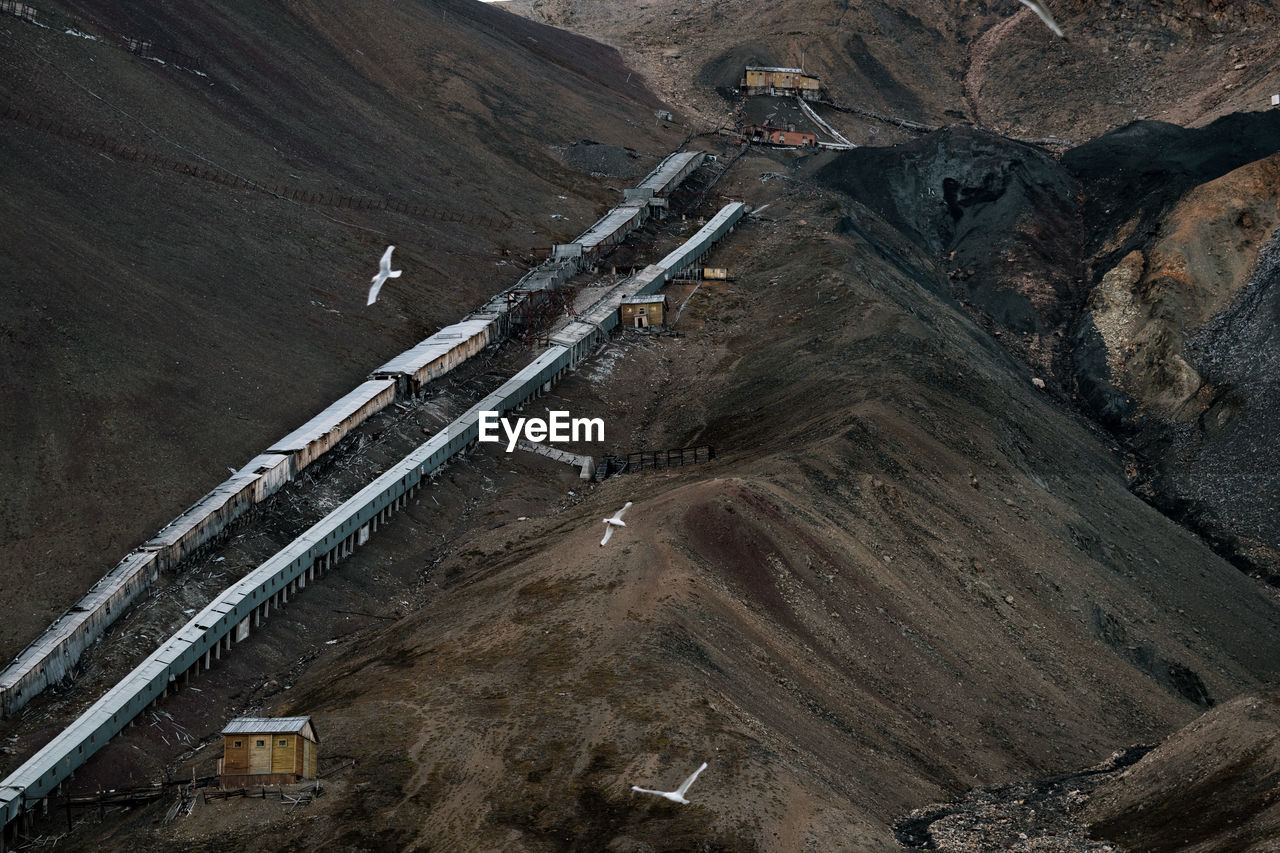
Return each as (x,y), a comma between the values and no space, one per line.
(695,245)
(199,512)
(659,180)
(331,417)
(611,223)
(46,768)
(69,622)
(643,299)
(264,462)
(775,68)
(441,343)
(265,725)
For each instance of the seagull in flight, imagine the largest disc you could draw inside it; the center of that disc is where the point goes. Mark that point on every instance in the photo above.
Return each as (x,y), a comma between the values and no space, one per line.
(384,272)
(676,796)
(1043,11)
(616,521)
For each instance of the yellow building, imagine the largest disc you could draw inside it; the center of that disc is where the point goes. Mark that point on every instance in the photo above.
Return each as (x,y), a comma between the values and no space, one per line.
(762,79)
(267,751)
(641,312)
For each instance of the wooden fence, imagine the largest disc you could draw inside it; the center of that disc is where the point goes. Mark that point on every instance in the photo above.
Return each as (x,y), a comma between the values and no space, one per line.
(646,460)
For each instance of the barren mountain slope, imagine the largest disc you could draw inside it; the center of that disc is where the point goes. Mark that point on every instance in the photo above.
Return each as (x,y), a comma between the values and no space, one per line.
(946,61)
(161,326)
(909,572)
(1209,787)
(1177,341)
(1129,271)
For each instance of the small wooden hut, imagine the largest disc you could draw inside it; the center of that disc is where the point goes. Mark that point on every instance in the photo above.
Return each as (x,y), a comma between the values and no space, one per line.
(641,312)
(267,751)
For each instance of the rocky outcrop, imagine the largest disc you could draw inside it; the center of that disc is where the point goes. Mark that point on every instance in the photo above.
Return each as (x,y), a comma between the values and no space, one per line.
(1211,786)
(1144,307)
(1160,353)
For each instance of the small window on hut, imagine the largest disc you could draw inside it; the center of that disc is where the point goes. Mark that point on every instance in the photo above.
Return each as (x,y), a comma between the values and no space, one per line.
(284,743)
(262,743)
(238,744)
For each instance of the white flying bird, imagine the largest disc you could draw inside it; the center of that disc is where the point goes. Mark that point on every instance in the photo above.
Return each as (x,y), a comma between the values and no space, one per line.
(384,272)
(676,796)
(616,521)
(1043,11)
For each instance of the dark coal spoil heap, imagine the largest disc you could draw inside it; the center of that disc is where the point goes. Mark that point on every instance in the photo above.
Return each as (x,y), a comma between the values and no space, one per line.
(1222,468)
(1144,167)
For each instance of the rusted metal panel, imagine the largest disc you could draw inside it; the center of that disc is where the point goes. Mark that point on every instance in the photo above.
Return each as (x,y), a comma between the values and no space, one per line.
(203,520)
(780,136)
(440,353)
(273,470)
(766,77)
(318,435)
(57,650)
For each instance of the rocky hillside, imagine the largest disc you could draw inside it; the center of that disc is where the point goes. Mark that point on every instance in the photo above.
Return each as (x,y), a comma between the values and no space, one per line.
(1137,282)
(934,578)
(1175,344)
(954,389)
(1211,786)
(163,323)
(994,65)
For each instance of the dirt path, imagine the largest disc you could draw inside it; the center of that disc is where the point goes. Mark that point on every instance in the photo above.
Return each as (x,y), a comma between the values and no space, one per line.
(978,60)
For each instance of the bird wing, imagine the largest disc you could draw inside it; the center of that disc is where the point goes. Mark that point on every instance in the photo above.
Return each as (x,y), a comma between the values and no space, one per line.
(617,516)
(608,531)
(647,791)
(373,291)
(385,263)
(1043,11)
(687,782)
